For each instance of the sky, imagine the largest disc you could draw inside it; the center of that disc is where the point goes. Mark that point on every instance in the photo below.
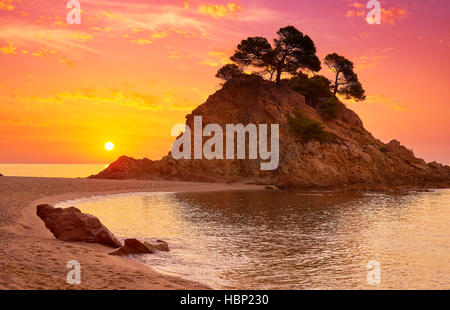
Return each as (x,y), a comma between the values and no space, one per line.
(133,69)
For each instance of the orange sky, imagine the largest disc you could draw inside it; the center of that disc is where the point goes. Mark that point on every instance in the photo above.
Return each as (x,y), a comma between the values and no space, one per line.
(133,69)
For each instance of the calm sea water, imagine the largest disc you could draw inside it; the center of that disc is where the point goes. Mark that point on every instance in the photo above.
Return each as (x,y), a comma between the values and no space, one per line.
(51,170)
(289,240)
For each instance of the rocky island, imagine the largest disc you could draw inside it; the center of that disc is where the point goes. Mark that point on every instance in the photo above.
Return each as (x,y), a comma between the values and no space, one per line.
(338,154)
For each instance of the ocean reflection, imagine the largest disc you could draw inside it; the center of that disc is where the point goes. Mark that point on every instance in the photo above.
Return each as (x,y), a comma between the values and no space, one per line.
(288,240)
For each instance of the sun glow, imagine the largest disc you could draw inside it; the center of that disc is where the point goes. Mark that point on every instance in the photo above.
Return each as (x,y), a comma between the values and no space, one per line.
(109,146)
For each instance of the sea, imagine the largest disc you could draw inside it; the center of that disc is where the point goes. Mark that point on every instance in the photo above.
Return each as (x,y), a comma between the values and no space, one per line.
(270,239)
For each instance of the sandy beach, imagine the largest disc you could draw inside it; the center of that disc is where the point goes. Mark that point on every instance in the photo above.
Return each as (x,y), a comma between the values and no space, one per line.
(31,258)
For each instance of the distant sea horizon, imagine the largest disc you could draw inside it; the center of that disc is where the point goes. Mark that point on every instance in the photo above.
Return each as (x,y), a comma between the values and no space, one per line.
(51,170)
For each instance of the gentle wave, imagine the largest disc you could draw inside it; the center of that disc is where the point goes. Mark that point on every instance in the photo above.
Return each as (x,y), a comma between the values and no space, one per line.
(283,240)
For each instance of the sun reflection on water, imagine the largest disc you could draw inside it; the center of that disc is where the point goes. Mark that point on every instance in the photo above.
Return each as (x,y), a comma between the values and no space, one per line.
(288,240)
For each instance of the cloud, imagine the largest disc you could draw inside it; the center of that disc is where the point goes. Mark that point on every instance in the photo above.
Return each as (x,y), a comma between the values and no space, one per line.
(378,99)
(69,62)
(122,17)
(6,5)
(183,98)
(150,18)
(173,54)
(369,61)
(159,35)
(63,40)
(352,13)
(44,52)
(150,38)
(108,15)
(220,10)
(8,50)
(391,15)
(358,5)
(142,41)
(385,100)
(146,23)
(109,96)
(216,58)
(80,36)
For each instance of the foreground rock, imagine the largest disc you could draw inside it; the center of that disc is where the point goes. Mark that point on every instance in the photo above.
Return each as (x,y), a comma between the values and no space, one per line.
(161,245)
(1,175)
(354,159)
(70,224)
(134,246)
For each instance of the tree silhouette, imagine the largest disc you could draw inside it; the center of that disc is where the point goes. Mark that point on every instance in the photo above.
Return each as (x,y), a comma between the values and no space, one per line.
(346,80)
(292,51)
(229,71)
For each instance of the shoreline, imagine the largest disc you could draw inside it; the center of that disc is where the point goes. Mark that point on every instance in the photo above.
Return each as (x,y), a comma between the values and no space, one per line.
(32,258)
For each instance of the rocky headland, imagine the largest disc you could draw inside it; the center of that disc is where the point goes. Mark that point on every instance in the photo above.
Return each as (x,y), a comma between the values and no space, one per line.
(339,154)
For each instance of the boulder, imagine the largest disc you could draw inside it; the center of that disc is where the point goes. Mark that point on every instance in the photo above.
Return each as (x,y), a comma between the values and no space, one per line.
(70,224)
(1,175)
(134,246)
(161,245)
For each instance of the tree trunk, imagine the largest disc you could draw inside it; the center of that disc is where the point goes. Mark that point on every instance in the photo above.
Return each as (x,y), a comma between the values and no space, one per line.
(278,76)
(336,83)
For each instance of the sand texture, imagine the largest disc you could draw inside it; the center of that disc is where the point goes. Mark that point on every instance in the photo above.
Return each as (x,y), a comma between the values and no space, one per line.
(31,258)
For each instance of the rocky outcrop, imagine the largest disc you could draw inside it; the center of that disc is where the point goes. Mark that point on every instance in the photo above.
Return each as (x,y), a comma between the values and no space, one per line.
(70,224)
(161,245)
(1,175)
(354,159)
(134,246)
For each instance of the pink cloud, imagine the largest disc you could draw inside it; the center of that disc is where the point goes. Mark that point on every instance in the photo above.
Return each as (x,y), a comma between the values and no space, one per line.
(220,10)
(6,5)
(392,15)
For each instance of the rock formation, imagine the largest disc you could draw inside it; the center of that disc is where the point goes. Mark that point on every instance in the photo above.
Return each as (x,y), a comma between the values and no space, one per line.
(134,246)
(353,159)
(161,245)
(70,224)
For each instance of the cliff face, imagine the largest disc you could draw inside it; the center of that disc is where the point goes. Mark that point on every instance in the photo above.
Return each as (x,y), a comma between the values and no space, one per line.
(352,159)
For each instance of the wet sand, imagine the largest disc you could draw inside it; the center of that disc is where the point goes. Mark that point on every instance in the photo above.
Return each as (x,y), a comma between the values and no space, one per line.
(31,258)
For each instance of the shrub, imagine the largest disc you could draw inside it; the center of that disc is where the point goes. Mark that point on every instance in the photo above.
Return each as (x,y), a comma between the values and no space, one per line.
(228,72)
(328,108)
(314,89)
(383,148)
(317,94)
(308,129)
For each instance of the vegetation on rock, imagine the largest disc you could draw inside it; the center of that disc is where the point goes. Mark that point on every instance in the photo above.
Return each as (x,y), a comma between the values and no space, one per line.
(306,128)
(291,51)
(317,93)
(346,81)
(228,72)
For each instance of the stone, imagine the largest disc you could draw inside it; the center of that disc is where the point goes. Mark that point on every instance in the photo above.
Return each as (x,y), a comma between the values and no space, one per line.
(134,246)
(161,245)
(70,224)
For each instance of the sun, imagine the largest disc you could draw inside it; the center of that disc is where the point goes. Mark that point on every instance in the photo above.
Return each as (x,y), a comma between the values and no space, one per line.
(109,146)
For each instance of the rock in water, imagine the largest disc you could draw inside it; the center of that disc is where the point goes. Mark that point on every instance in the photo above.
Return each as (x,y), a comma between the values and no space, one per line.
(134,246)
(70,224)
(161,245)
